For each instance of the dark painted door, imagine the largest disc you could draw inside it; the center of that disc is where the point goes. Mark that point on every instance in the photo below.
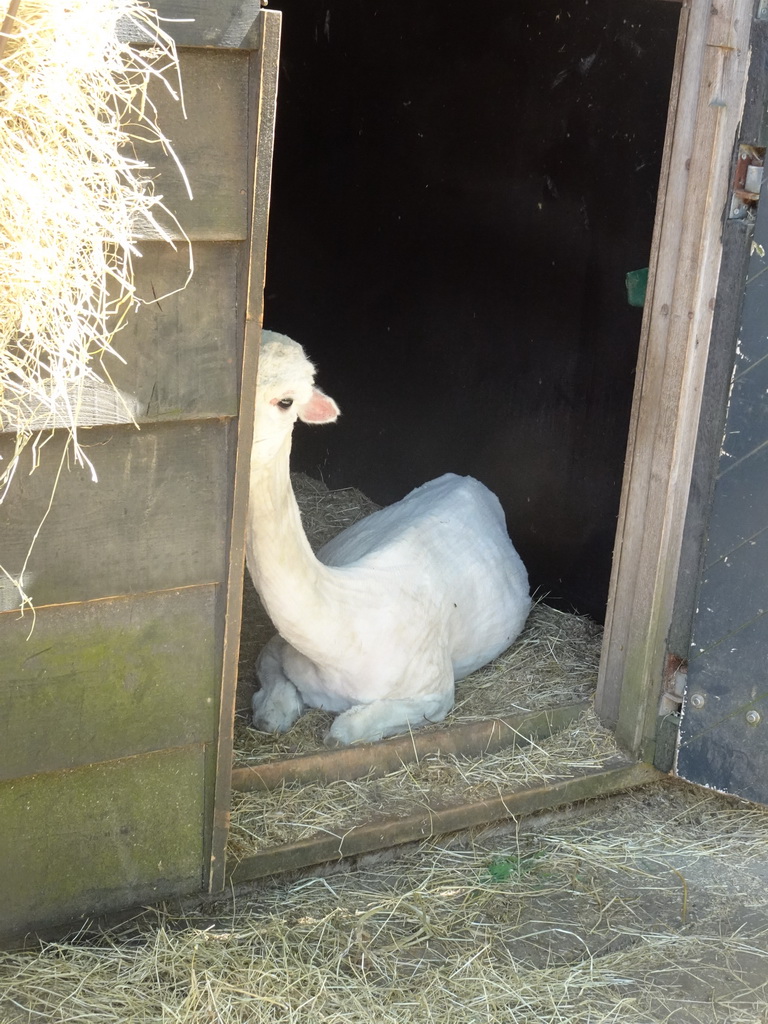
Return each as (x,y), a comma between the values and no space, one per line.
(724,730)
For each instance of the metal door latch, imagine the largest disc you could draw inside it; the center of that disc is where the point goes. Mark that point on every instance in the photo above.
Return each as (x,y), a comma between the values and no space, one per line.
(747,179)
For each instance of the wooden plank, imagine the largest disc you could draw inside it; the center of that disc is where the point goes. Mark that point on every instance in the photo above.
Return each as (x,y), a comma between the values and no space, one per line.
(372,760)
(713,63)
(202,23)
(180,347)
(181,352)
(619,610)
(157,517)
(615,776)
(723,743)
(210,144)
(261,123)
(107,679)
(100,838)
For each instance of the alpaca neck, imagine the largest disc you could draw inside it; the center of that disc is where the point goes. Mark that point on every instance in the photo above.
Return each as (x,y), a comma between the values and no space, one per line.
(291,582)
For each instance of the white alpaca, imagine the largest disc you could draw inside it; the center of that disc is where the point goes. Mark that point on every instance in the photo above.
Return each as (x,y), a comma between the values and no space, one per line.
(395,608)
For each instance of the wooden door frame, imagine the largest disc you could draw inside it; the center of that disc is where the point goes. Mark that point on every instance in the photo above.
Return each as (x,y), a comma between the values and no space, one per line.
(706,106)
(263,40)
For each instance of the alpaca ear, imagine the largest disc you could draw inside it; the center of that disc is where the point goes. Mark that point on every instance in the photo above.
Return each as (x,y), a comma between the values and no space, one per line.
(319,409)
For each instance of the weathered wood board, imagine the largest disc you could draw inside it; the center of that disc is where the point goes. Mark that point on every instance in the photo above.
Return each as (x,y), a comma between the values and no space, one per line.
(735,584)
(372,760)
(157,517)
(178,356)
(136,674)
(100,837)
(203,23)
(261,128)
(613,776)
(211,144)
(706,107)
(111,711)
(180,360)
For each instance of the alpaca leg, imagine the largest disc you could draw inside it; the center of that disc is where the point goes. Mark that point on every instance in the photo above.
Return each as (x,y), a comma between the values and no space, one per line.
(278,703)
(368,722)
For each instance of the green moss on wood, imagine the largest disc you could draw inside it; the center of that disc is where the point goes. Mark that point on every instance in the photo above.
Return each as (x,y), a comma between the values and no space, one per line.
(104,679)
(100,838)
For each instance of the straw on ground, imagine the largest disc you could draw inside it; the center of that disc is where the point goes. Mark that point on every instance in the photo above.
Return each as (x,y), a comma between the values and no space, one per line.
(585,928)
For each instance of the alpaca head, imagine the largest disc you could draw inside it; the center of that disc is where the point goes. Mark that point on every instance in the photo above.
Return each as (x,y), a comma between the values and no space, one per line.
(285,392)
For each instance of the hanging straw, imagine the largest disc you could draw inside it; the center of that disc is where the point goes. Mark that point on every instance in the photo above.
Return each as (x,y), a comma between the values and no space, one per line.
(73,200)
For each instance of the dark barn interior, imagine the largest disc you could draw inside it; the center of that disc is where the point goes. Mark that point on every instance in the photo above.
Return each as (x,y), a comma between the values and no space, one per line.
(458,195)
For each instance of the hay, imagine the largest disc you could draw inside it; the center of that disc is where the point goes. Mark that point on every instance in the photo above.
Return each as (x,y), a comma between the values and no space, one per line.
(585,927)
(296,811)
(324,512)
(553,662)
(73,197)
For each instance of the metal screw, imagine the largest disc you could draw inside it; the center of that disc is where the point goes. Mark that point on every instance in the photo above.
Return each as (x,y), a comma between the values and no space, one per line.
(753,717)
(697,700)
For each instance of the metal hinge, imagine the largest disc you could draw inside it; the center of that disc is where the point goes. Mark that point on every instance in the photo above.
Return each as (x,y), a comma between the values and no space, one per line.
(675,680)
(747,179)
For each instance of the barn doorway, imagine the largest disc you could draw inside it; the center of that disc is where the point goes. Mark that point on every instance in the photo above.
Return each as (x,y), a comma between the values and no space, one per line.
(459,202)
(457,199)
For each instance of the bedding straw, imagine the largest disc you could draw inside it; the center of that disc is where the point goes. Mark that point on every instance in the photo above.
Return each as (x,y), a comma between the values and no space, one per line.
(304,810)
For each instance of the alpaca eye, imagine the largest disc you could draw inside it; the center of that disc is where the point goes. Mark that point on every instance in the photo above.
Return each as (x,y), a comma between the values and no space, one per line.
(285,403)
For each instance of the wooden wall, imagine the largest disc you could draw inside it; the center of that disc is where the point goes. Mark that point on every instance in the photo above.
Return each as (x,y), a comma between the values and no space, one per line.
(111,693)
